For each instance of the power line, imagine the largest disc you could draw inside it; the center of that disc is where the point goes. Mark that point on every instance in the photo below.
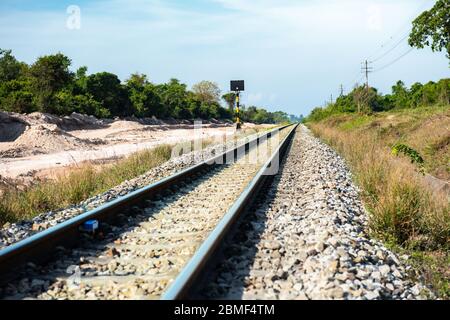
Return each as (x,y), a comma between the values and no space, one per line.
(392,38)
(391,49)
(395,60)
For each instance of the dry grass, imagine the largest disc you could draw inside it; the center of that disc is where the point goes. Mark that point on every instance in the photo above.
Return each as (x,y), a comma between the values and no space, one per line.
(403,208)
(405,211)
(76,185)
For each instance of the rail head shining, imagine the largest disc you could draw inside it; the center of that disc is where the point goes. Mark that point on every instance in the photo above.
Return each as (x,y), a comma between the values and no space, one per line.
(181,285)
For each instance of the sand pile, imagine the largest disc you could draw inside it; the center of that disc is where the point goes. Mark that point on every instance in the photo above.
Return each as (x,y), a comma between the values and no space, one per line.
(44,138)
(75,121)
(126,125)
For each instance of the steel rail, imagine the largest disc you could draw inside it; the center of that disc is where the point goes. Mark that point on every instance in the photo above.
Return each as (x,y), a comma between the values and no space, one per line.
(39,247)
(181,286)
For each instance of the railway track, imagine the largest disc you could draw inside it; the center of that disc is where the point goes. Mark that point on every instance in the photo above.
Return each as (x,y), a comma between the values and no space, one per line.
(153,243)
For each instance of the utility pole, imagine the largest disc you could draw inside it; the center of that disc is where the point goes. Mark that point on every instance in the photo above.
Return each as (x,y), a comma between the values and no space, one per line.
(341,90)
(331,99)
(366,69)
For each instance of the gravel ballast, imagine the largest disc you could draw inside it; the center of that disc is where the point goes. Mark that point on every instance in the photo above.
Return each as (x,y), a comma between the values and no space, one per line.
(308,239)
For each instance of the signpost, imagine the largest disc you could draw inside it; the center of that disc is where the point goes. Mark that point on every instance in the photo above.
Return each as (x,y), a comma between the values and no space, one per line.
(237,86)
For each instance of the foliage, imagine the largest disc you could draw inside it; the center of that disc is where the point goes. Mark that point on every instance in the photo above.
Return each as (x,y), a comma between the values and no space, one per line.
(48,75)
(10,68)
(361,100)
(16,96)
(409,152)
(259,115)
(49,86)
(207,91)
(432,28)
(230,99)
(107,89)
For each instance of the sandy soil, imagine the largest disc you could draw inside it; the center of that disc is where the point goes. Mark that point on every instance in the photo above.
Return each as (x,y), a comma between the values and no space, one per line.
(116,144)
(33,147)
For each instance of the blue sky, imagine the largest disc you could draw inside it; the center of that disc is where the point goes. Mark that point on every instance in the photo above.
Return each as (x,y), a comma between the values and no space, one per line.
(293,54)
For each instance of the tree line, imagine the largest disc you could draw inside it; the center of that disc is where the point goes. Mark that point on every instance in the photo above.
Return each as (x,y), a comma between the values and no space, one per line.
(48,85)
(367,101)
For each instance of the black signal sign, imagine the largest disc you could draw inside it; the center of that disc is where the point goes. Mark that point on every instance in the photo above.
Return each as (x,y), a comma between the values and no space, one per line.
(237,85)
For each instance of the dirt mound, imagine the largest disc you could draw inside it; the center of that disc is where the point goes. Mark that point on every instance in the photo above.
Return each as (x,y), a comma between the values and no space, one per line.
(44,138)
(126,125)
(11,127)
(75,121)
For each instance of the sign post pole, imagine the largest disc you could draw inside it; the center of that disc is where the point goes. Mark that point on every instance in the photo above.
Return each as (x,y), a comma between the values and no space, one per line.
(238,119)
(237,86)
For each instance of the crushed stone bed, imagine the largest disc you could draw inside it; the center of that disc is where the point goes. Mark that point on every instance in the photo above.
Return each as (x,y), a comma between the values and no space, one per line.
(308,239)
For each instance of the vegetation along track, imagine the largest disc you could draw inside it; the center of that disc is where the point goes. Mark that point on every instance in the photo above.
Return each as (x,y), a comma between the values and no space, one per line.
(152,243)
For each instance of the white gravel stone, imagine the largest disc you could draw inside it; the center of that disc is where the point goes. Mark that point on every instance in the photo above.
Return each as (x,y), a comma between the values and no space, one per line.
(313,208)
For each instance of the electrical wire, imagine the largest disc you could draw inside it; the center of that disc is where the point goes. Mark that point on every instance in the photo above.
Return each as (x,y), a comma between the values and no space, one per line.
(394,61)
(391,49)
(426,2)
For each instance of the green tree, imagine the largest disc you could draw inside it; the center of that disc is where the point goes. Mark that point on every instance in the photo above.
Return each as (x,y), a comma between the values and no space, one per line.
(173,98)
(144,96)
(443,88)
(49,74)
(10,68)
(67,103)
(432,28)
(107,89)
(280,116)
(136,87)
(16,96)
(207,91)
(80,83)
(400,95)
(262,116)
(230,99)
(416,94)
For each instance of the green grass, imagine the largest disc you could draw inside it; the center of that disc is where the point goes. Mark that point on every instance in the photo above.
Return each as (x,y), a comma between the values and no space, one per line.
(356,122)
(428,266)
